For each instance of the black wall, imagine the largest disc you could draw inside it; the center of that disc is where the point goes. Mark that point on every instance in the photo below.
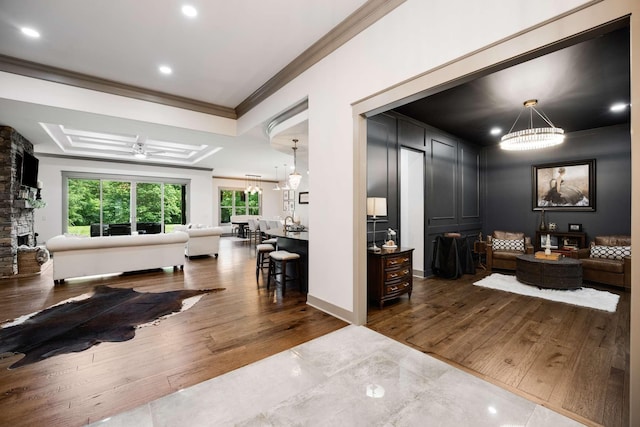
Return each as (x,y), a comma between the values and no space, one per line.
(508,200)
(469,189)
(452,199)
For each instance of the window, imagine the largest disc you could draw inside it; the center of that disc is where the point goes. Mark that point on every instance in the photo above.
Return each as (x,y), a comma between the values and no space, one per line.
(99,205)
(234,201)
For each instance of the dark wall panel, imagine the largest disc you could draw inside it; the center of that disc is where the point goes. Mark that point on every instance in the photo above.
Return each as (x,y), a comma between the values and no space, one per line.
(382,171)
(509,186)
(442,193)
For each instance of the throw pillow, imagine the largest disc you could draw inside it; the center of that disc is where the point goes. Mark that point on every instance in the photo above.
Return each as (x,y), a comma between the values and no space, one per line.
(610,252)
(508,245)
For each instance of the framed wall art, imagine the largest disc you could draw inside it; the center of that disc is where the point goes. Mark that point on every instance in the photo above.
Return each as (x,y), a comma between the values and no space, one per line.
(566,186)
(303,198)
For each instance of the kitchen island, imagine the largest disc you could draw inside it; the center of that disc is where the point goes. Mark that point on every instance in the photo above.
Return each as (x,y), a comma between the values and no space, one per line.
(295,242)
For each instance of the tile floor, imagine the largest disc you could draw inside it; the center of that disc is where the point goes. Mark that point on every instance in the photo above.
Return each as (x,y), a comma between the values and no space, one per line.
(351,377)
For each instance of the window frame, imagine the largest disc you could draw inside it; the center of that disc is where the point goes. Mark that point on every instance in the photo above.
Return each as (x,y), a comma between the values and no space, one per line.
(133,180)
(233,207)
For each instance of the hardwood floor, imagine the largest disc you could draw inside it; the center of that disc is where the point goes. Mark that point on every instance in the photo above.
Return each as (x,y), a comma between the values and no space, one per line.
(222,332)
(573,360)
(570,359)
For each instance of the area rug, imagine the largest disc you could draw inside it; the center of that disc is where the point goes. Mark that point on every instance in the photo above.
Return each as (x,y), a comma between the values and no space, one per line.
(584,297)
(106,315)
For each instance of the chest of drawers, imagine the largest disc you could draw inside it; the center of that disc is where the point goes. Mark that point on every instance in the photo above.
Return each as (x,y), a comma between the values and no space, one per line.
(389,274)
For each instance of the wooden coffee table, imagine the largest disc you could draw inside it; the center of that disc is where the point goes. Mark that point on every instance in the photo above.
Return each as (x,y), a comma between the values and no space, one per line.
(565,273)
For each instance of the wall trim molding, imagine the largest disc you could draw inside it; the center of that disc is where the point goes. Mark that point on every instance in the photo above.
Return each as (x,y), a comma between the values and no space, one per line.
(59,75)
(366,15)
(122,162)
(331,309)
(358,21)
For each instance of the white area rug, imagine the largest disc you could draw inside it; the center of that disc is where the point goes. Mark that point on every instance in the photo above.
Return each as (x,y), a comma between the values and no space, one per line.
(585,297)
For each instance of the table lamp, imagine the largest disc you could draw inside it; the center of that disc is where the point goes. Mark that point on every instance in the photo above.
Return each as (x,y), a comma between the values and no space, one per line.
(376,207)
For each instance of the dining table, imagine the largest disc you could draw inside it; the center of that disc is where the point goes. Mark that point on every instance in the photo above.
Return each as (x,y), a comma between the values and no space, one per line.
(242,228)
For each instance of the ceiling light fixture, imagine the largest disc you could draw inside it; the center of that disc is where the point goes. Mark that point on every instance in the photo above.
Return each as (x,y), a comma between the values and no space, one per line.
(164,69)
(285,185)
(189,11)
(30,32)
(138,151)
(618,107)
(277,186)
(495,131)
(294,177)
(253,184)
(532,138)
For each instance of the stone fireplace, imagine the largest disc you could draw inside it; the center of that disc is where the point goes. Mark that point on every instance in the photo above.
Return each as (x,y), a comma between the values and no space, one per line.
(16,218)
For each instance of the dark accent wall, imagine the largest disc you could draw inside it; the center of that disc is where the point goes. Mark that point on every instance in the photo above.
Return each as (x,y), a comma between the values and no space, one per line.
(452,178)
(469,189)
(509,187)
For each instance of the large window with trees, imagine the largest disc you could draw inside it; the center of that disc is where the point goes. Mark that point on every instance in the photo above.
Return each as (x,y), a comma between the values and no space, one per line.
(99,205)
(234,201)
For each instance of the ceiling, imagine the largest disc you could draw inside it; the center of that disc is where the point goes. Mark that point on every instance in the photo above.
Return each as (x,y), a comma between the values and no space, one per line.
(575,87)
(220,57)
(232,48)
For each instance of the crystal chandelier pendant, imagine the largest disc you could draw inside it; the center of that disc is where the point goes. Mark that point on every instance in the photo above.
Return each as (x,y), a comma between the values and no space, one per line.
(532,138)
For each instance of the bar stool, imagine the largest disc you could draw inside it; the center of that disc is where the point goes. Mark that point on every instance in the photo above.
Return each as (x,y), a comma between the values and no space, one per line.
(281,259)
(262,256)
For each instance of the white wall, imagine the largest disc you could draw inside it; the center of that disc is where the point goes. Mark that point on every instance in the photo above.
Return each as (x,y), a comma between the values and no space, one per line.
(415,37)
(49,221)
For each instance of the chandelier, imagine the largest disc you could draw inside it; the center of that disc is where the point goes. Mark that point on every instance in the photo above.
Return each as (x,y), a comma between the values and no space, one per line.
(294,177)
(532,138)
(253,184)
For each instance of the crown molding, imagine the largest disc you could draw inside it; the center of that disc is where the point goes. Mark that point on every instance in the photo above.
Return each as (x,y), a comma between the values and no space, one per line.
(58,75)
(366,15)
(358,21)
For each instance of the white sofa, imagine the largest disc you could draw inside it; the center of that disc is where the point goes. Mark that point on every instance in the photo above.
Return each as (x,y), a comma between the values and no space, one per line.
(86,256)
(203,241)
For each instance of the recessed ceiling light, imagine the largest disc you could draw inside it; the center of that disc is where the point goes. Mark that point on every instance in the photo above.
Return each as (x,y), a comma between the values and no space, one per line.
(164,69)
(495,131)
(189,11)
(616,108)
(30,32)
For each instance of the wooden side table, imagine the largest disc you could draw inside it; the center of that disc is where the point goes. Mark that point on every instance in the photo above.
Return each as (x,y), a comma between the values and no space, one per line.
(480,248)
(389,274)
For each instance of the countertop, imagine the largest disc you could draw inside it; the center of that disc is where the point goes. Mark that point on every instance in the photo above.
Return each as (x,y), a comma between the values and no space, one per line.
(297,235)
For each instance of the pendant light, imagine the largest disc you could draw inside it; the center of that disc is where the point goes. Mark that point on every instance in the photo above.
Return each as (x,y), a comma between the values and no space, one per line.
(285,185)
(277,186)
(294,177)
(532,138)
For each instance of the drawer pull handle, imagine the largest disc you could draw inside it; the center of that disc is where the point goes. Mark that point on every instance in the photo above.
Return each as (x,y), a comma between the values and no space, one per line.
(393,288)
(393,261)
(394,275)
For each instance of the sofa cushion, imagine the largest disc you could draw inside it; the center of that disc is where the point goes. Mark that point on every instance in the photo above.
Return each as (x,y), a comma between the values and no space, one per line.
(210,231)
(63,243)
(602,264)
(610,252)
(508,245)
(507,255)
(508,235)
(615,240)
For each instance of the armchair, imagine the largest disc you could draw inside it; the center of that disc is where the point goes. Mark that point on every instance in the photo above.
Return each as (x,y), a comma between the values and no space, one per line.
(504,246)
(607,260)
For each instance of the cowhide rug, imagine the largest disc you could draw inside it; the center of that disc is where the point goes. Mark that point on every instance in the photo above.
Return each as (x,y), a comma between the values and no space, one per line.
(109,314)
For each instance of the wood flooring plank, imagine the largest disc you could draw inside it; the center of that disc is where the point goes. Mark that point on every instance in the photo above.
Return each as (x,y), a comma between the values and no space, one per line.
(73,389)
(547,351)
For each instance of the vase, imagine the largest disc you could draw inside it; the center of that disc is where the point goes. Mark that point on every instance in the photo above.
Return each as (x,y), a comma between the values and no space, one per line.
(543,224)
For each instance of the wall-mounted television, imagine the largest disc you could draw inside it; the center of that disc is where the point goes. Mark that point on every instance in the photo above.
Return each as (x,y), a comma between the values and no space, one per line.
(29,170)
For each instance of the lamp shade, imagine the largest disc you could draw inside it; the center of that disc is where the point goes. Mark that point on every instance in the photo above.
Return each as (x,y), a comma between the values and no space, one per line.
(376,206)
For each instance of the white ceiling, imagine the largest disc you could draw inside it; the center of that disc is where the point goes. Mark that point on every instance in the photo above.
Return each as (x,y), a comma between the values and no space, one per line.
(220,57)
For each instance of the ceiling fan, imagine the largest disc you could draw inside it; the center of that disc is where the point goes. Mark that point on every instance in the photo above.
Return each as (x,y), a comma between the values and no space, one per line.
(140,151)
